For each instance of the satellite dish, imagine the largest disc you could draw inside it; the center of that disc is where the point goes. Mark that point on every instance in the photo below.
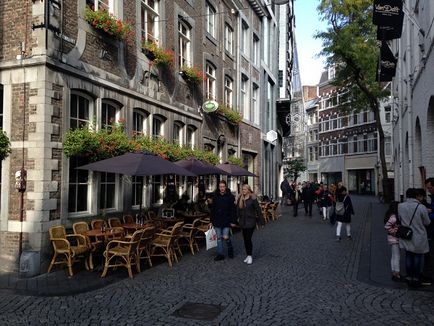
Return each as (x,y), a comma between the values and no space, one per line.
(210,106)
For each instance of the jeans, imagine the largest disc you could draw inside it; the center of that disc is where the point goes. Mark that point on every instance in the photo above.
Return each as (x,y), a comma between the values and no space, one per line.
(308,207)
(223,234)
(394,261)
(413,265)
(247,237)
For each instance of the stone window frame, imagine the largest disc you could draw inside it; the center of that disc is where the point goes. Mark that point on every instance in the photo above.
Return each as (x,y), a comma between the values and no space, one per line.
(145,123)
(229,39)
(190,139)
(147,10)
(244,95)
(162,120)
(181,126)
(116,106)
(184,43)
(211,80)
(244,38)
(211,20)
(255,103)
(256,50)
(229,91)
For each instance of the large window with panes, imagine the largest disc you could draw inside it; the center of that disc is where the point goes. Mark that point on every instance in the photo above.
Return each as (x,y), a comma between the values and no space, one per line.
(244,42)
(255,103)
(190,142)
(177,133)
(210,20)
(244,105)
(184,35)
(229,85)
(109,114)
(107,5)
(229,39)
(210,81)
(139,127)
(149,19)
(157,127)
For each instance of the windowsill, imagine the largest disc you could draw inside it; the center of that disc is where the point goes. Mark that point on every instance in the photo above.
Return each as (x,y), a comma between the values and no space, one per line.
(211,38)
(229,55)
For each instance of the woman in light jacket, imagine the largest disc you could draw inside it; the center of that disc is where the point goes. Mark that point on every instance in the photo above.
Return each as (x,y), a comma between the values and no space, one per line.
(391,226)
(249,214)
(417,246)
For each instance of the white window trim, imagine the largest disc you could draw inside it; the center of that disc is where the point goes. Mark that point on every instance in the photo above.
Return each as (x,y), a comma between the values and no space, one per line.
(145,116)
(210,20)
(229,39)
(155,16)
(186,55)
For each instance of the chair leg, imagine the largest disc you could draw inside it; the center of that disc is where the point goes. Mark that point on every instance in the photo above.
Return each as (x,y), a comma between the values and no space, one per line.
(91,261)
(130,272)
(52,263)
(69,259)
(138,267)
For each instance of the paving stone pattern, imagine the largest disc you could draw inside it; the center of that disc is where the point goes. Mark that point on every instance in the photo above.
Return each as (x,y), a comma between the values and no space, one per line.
(300,276)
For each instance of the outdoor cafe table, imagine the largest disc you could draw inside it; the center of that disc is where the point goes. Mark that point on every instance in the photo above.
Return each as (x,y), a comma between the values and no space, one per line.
(106,234)
(130,228)
(190,217)
(168,221)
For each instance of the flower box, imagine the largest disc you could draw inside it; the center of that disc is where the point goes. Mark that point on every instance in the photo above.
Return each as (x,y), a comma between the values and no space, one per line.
(192,74)
(158,56)
(107,23)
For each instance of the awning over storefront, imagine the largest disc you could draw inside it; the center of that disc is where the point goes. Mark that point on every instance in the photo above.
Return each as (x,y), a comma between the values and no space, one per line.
(388,15)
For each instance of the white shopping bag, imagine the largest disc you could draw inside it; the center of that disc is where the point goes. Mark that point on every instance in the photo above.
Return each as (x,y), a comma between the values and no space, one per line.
(211,239)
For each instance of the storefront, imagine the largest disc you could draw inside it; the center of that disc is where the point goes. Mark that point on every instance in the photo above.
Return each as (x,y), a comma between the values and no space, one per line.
(361,181)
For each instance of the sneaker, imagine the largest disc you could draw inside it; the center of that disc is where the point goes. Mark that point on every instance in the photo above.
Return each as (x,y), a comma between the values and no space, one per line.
(249,260)
(338,239)
(219,257)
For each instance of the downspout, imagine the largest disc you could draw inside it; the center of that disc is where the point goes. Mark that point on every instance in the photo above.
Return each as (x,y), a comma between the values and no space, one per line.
(238,78)
(409,102)
(400,105)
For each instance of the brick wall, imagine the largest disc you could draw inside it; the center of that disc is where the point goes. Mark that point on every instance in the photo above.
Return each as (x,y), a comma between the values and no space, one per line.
(9,247)
(130,43)
(20,99)
(13,28)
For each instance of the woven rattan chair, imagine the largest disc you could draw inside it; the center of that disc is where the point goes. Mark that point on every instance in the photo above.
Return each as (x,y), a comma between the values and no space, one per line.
(273,210)
(63,248)
(187,235)
(122,253)
(144,247)
(128,219)
(114,222)
(97,224)
(164,243)
(93,244)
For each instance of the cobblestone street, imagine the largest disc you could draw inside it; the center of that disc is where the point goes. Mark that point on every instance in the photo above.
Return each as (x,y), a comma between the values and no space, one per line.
(300,276)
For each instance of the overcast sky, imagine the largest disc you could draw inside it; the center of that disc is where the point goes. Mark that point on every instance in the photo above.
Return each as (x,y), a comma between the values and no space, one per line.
(307,23)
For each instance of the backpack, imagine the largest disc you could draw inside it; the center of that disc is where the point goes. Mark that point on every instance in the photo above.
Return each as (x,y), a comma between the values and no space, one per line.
(340,208)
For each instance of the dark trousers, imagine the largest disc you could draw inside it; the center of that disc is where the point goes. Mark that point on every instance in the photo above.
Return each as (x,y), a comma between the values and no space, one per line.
(247,236)
(308,206)
(295,206)
(413,264)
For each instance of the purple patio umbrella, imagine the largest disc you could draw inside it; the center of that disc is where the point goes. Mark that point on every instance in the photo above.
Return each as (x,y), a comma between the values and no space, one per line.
(198,167)
(235,170)
(137,164)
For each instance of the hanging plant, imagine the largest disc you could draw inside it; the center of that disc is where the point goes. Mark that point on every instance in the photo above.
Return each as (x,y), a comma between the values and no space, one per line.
(192,74)
(106,22)
(235,160)
(232,116)
(5,145)
(158,56)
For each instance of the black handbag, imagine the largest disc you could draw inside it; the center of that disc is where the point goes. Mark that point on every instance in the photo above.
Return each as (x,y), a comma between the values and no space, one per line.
(405,232)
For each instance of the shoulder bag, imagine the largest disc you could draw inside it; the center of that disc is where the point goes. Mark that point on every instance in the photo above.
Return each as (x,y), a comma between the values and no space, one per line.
(405,232)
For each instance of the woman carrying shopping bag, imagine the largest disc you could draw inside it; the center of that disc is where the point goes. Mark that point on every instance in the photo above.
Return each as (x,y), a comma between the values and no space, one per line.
(248,214)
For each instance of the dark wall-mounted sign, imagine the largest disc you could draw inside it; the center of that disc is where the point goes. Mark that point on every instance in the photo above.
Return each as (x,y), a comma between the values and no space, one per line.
(388,16)
(387,63)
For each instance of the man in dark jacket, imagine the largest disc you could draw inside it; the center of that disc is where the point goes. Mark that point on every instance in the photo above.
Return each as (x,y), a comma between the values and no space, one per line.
(223,217)
(308,195)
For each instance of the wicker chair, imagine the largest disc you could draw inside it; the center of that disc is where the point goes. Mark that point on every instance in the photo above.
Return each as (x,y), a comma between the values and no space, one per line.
(128,219)
(273,210)
(187,235)
(144,247)
(164,243)
(114,222)
(97,224)
(63,247)
(122,253)
(93,245)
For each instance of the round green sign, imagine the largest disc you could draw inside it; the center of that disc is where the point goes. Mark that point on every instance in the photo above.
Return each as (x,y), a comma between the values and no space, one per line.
(210,106)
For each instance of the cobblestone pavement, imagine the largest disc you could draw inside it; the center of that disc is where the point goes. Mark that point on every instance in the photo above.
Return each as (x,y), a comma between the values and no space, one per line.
(300,276)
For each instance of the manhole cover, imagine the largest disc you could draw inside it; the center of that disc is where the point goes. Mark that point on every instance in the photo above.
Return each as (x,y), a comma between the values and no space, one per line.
(198,311)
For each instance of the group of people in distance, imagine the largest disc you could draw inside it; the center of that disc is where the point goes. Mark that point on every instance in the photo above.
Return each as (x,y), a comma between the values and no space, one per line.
(333,202)
(415,212)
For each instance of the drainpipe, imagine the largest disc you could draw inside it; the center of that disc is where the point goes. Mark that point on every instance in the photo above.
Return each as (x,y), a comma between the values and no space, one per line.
(409,91)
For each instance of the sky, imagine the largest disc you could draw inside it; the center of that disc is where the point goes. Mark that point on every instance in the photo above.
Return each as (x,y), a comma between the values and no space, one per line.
(307,23)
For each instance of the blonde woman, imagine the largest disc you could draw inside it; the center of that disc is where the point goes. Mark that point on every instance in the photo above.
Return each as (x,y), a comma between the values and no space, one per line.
(248,214)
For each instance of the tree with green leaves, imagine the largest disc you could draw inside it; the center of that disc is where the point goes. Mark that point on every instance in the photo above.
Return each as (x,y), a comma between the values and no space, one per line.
(350,44)
(293,168)
(5,145)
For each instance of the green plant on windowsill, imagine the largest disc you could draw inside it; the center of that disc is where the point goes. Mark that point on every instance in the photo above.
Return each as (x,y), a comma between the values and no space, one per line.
(235,160)
(104,21)
(158,56)
(231,115)
(5,145)
(192,74)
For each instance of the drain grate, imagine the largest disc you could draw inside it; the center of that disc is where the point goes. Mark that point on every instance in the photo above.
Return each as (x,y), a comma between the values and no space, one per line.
(199,311)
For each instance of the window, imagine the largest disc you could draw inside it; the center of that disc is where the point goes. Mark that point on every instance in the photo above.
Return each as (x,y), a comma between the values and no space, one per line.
(243,100)
(228,92)
(184,43)
(157,127)
(177,133)
(256,54)
(107,191)
(190,136)
(244,42)
(255,103)
(210,81)
(102,5)
(355,119)
(139,123)
(387,145)
(108,115)
(229,39)
(210,20)
(149,15)
(78,188)
(387,113)
(137,190)
(79,111)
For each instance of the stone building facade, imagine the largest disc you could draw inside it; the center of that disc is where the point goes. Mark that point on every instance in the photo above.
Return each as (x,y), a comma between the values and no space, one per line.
(58,72)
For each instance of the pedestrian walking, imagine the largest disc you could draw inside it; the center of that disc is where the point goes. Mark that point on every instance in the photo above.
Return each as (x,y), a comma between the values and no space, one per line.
(249,214)
(391,226)
(412,214)
(308,195)
(325,202)
(345,217)
(295,198)
(223,215)
(285,187)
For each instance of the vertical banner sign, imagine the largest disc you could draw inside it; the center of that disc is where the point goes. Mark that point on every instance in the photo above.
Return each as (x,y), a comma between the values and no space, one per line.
(388,15)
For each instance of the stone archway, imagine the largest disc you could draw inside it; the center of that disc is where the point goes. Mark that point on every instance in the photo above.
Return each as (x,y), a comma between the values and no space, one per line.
(429,139)
(417,156)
